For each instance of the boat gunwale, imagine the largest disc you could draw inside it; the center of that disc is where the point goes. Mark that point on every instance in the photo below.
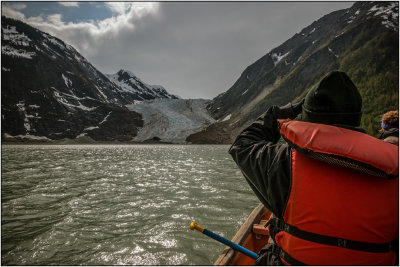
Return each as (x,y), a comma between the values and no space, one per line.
(228,254)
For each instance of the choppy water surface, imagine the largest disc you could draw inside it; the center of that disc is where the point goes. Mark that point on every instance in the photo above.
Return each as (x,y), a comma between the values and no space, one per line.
(118,205)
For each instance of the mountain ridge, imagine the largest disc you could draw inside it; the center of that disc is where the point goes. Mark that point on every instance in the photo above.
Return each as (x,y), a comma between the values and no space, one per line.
(50,91)
(130,83)
(361,40)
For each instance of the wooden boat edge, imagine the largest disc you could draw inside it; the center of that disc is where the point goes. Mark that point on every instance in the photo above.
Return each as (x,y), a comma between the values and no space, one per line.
(228,254)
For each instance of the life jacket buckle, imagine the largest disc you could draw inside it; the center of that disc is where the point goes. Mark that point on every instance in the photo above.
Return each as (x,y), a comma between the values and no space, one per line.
(275,249)
(279,224)
(286,228)
(342,243)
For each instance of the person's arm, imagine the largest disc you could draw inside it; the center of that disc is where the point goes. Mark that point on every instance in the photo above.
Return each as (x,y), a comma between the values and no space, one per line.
(264,163)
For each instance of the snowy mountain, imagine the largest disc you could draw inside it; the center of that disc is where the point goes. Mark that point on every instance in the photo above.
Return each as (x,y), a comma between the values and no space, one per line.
(362,41)
(130,84)
(171,120)
(50,91)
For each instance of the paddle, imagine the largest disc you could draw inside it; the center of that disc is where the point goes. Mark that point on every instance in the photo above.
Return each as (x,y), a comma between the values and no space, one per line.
(223,240)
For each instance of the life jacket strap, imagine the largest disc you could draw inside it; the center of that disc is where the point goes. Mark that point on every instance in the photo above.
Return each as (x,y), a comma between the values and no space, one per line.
(285,256)
(278,225)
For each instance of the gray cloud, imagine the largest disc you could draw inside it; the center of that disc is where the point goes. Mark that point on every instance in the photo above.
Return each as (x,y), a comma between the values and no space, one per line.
(199,49)
(193,49)
(69,4)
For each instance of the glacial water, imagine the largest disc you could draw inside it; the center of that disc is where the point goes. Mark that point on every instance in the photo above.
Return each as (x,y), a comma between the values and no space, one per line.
(118,204)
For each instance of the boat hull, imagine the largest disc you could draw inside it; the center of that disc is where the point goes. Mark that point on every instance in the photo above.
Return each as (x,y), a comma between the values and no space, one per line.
(251,235)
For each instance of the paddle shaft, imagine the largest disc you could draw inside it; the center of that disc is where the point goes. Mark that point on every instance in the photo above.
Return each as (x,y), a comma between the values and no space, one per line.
(229,243)
(225,241)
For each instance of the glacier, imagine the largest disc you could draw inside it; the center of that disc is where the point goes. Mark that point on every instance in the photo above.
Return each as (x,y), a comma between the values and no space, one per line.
(171,120)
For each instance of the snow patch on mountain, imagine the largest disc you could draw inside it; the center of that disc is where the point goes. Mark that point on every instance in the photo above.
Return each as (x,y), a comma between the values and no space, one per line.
(389,14)
(330,50)
(227,117)
(22,109)
(67,81)
(105,118)
(10,33)
(172,120)
(277,57)
(70,100)
(13,52)
(15,39)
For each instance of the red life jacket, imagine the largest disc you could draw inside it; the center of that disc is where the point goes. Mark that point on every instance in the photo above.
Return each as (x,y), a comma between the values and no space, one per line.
(337,214)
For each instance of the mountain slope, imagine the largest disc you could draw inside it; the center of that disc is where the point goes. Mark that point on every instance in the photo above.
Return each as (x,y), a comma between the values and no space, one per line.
(51,91)
(361,40)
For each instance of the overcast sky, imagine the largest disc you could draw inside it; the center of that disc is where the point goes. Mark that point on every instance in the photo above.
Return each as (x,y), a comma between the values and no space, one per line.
(193,49)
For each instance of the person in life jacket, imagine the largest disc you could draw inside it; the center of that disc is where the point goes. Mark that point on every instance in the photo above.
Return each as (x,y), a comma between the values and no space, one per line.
(332,188)
(390,127)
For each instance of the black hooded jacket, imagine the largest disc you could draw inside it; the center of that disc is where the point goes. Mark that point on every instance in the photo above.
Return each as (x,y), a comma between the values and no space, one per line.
(265,160)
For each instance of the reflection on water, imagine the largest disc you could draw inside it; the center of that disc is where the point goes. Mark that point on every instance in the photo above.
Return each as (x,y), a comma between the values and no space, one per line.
(118,205)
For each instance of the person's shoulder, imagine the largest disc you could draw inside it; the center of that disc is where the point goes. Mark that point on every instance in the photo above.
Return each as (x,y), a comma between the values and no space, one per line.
(392,139)
(391,132)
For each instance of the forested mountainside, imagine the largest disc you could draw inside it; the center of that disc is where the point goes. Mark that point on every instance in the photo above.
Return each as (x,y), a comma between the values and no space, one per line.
(362,41)
(50,91)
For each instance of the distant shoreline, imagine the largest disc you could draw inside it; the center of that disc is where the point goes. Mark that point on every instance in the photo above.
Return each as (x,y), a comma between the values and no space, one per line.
(74,142)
